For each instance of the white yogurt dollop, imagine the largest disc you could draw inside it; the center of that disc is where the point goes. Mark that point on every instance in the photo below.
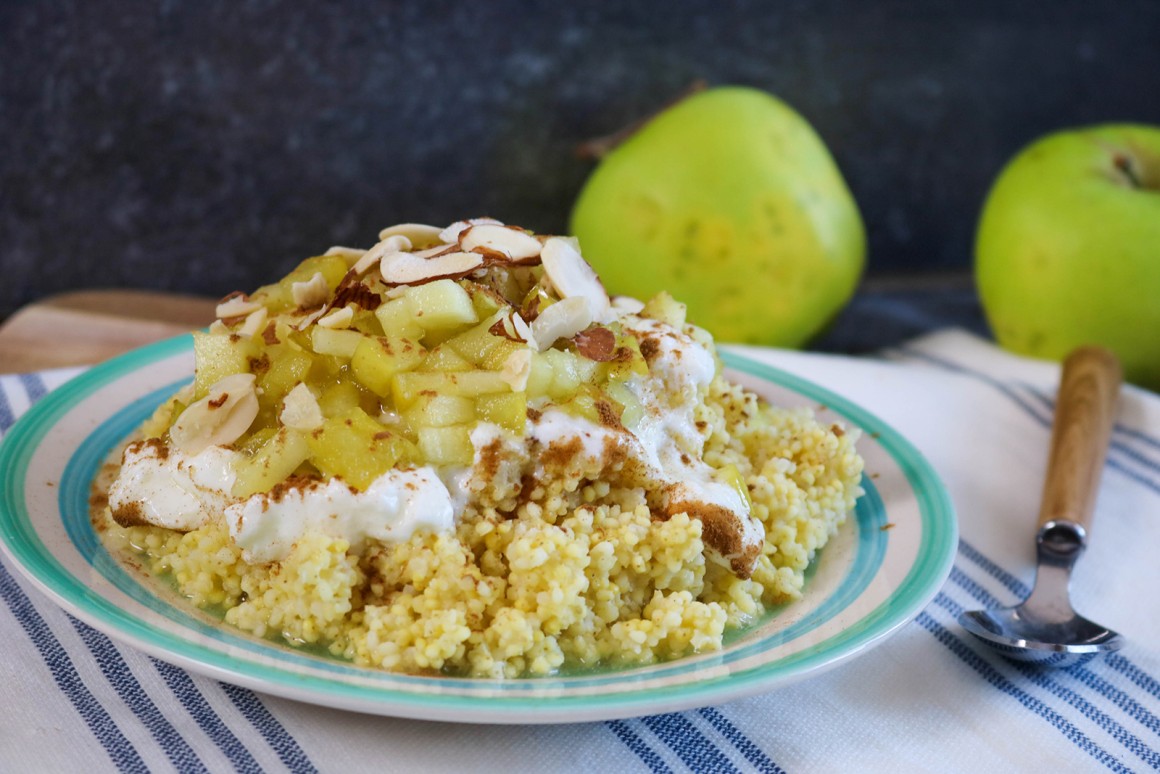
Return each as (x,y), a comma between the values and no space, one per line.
(394,507)
(170,489)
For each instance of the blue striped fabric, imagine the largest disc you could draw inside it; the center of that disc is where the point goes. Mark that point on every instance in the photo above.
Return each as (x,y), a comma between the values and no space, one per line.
(140,712)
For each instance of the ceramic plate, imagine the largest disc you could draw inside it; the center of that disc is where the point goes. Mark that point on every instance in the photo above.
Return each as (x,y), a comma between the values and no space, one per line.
(877,573)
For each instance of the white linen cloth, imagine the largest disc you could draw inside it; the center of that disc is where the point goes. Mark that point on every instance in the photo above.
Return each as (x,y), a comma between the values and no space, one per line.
(930,699)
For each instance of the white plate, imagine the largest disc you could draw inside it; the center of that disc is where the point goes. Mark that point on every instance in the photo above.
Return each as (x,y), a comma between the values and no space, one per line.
(881,569)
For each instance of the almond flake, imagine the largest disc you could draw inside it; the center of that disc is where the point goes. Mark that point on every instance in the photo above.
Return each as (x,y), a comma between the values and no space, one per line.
(339,318)
(436,251)
(254,323)
(413,269)
(572,277)
(523,330)
(622,305)
(396,243)
(220,418)
(300,410)
(507,243)
(516,369)
(450,235)
(237,306)
(312,292)
(504,328)
(418,234)
(309,319)
(371,258)
(562,320)
(513,328)
(596,343)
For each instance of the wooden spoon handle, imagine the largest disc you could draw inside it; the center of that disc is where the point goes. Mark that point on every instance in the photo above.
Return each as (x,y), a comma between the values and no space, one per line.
(1084,414)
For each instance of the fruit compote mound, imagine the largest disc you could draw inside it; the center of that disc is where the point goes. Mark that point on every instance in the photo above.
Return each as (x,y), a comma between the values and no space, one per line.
(454,453)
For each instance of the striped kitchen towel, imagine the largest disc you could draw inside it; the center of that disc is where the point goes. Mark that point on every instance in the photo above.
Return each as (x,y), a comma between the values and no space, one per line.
(929,699)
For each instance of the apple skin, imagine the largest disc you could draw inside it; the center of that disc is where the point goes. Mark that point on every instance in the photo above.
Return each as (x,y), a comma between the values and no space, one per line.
(731,202)
(1068,247)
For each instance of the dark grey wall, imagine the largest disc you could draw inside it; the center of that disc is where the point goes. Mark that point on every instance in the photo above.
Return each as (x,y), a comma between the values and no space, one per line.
(207,146)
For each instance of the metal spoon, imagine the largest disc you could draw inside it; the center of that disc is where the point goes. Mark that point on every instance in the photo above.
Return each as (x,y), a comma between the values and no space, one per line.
(1045,630)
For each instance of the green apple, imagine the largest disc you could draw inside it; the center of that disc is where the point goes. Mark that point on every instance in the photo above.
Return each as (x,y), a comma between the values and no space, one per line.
(1068,248)
(731,202)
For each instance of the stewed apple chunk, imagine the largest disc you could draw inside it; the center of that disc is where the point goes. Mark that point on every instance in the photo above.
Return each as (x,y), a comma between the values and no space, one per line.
(357,448)
(218,355)
(271,463)
(440,305)
(377,359)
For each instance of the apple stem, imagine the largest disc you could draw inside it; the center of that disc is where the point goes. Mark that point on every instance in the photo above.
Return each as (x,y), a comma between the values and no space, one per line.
(1124,164)
(599,147)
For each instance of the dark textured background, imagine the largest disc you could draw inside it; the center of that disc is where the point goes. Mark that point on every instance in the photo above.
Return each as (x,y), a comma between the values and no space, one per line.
(204,147)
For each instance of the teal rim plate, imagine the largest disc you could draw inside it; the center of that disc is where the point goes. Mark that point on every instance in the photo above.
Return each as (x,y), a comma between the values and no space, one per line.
(877,573)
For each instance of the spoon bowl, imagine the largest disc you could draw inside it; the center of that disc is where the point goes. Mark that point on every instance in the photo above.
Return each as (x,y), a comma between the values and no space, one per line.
(1045,630)
(1073,643)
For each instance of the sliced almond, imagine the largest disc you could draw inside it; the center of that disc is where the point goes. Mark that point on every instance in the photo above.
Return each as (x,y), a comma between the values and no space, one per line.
(562,320)
(368,261)
(337,319)
(622,305)
(513,328)
(516,369)
(254,323)
(412,269)
(419,235)
(218,327)
(219,418)
(311,318)
(236,306)
(300,409)
(397,243)
(596,343)
(572,277)
(312,292)
(511,244)
(436,251)
(450,235)
(391,244)
(522,329)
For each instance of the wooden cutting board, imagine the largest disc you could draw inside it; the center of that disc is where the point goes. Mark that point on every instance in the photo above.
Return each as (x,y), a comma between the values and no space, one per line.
(89,326)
